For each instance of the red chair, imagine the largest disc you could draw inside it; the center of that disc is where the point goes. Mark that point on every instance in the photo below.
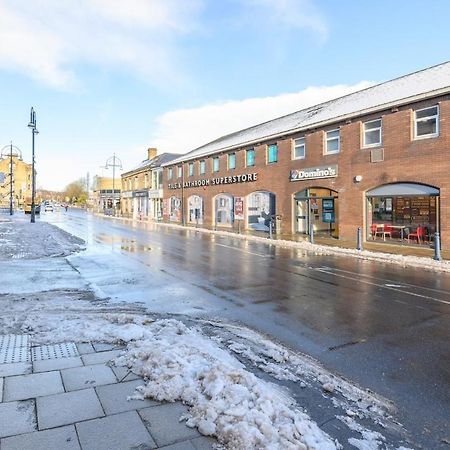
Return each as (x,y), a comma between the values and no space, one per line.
(387,231)
(373,230)
(419,234)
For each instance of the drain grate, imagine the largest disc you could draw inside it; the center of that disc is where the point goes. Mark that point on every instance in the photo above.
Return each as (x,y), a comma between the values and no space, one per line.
(14,348)
(63,350)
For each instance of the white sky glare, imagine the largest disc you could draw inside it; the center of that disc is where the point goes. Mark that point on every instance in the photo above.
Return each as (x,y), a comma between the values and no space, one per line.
(111,76)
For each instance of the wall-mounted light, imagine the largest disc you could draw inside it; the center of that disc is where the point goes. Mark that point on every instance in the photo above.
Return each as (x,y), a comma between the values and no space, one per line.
(357,178)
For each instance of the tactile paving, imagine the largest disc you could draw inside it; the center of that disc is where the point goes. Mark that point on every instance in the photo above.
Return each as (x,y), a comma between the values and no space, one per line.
(14,348)
(63,350)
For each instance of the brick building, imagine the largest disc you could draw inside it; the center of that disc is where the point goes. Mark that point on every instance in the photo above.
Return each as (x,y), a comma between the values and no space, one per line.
(142,189)
(376,159)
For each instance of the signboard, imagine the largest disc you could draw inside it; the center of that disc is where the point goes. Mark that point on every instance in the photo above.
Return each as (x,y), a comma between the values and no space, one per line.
(140,194)
(314,173)
(238,208)
(166,207)
(242,178)
(328,215)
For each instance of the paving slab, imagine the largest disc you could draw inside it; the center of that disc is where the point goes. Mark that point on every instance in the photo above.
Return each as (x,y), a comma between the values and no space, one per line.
(21,368)
(186,445)
(84,348)
(101,357)
(103,347)
(87,376)
(68,408)
(125,374)
(164,424)
(17,418)
(203,443)
(114,397)
(64,438)
(120,431)
(47,365)
(22,387)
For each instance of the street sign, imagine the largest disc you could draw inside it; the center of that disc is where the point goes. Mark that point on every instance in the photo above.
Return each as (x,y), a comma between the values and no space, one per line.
(238,208)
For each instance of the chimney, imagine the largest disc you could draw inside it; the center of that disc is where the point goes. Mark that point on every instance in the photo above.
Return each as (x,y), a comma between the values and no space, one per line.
(151,153)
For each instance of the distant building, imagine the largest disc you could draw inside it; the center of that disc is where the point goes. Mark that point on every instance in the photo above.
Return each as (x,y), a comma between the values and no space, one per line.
(142,187)
(105,194)
(21,180)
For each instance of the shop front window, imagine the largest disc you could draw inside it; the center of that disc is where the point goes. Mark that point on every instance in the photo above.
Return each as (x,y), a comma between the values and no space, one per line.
(195,206)
(223,205)
(260,208)
(175,209)
(404,213)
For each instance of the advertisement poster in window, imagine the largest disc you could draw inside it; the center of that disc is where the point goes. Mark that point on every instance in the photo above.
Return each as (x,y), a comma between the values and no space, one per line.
(238,208)
(328,210)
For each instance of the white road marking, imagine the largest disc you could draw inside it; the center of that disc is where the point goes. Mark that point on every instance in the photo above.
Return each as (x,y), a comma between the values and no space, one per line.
(324,270)
(244,251)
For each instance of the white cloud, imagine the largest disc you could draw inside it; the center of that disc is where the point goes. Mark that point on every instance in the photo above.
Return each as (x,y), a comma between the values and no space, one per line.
(293,14)
(183,130)
(46,39)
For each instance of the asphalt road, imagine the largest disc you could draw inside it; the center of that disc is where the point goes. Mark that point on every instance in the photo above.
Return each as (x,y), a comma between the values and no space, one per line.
(384,326)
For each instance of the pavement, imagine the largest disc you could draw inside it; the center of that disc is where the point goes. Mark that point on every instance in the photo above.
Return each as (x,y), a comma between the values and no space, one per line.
(71,396)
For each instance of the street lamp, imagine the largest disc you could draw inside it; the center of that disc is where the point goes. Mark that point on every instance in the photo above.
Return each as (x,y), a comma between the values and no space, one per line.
(18,153)
(113,161)
(32,126)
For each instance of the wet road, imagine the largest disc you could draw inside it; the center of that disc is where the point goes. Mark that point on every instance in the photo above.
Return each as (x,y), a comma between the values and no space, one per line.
(383,326)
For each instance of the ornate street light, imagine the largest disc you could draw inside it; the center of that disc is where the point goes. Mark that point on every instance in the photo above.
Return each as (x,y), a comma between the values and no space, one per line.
(113,161)
(7,150)
(34,131)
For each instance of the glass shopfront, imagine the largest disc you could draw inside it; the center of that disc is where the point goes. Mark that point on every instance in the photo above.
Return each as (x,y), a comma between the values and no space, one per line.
(223,205)
(175,209)
(403,213)
(195,207)
(316,208)
(260,207)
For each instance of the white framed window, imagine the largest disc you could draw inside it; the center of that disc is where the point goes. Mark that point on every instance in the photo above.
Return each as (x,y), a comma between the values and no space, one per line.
(191,169)
(299,148)
(332,142)
(169,173)
(426,122)
(372,133)
(202,167)
(180,171)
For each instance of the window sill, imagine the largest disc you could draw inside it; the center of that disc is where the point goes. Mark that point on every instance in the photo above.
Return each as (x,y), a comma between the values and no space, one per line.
(369,147)
(428,136)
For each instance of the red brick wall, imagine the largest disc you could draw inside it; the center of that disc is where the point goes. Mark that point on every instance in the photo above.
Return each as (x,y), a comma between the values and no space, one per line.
(405,160)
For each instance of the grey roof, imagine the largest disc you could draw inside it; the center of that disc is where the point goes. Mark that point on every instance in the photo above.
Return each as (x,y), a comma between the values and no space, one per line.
(157,161)
(422,84)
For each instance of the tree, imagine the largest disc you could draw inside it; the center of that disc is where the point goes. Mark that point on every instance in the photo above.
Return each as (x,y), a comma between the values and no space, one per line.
(76,191)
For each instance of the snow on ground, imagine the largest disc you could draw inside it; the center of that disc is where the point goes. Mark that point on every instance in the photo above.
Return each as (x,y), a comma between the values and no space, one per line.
(402,260)
(207,365)
(20,239)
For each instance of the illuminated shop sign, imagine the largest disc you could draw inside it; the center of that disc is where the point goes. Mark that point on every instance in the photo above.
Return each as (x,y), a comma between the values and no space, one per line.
(313,173)
(244,178)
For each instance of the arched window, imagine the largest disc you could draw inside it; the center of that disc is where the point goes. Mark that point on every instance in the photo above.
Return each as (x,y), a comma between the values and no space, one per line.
(260,206)
(195,209)
(224,210)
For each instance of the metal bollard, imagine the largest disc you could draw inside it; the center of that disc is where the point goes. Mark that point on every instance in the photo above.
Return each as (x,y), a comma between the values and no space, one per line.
(437,247)
(359,239)
(311,233)
(270,230)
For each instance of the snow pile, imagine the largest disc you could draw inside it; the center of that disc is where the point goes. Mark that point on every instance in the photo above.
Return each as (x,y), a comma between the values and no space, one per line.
(20,239)
(402,260)
(180,363)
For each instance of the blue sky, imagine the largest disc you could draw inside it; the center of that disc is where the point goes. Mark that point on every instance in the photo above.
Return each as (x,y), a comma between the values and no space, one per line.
(111,76)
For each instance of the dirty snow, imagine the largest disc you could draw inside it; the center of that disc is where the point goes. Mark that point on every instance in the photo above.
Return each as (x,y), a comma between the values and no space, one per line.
(20,239)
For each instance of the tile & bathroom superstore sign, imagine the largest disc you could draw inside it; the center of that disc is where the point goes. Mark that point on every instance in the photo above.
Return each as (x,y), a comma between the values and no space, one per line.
(242,178)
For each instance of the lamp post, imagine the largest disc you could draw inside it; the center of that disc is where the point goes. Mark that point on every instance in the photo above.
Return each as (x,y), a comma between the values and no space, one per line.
(113,162)
(11,153)
(34,131)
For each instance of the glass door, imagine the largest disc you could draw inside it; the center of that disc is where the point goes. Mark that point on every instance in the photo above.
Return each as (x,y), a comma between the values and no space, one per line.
(302,216)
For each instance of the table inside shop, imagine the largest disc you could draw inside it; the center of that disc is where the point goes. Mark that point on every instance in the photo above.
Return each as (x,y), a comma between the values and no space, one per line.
(401,228)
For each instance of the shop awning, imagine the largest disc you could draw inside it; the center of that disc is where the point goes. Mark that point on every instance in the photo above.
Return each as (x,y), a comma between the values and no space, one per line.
(399,189)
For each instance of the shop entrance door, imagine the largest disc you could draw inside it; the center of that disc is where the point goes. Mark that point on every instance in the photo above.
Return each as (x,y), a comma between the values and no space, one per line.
(302,216)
